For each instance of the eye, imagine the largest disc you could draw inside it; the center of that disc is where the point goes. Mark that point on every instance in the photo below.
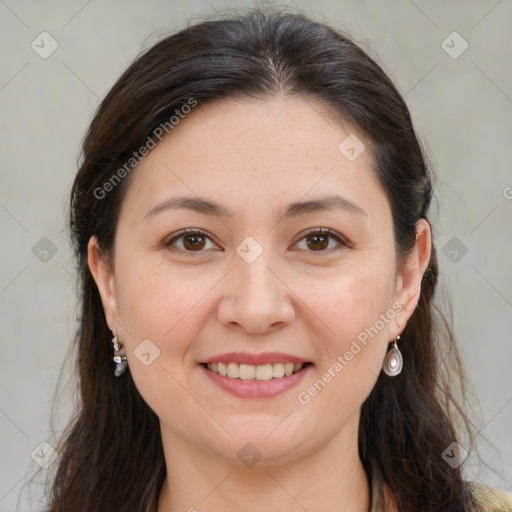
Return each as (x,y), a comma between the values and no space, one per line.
(196,240)
(319,239)
(192,240)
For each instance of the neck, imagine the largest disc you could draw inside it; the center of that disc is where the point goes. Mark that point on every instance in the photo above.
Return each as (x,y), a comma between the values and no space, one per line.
(329,480)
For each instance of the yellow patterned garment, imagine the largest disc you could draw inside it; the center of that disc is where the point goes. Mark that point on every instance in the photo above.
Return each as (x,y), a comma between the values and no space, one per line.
(488,498)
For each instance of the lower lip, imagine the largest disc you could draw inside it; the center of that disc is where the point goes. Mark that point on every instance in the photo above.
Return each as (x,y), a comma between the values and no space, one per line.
(257,388)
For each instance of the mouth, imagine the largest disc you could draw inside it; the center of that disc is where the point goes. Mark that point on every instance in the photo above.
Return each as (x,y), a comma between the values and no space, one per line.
(249,372)
(249,381)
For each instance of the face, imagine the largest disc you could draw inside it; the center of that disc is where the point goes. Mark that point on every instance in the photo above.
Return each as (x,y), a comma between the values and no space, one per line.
(257,278)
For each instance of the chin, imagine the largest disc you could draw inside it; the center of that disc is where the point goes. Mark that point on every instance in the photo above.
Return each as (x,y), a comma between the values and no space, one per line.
(268,440)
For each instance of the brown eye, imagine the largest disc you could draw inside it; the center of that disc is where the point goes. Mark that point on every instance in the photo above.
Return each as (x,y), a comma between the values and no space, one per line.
(191,241)
(318,240)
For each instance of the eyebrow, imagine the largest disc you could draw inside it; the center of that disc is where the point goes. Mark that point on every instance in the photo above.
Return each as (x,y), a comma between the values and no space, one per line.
(208,207)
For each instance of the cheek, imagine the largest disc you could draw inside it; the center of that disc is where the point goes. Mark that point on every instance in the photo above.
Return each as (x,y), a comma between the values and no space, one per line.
(353,302)
(156,305)
(167,305)
(356,310)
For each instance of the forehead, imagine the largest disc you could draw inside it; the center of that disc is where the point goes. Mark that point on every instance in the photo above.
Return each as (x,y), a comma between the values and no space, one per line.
(241,149)
(277,123)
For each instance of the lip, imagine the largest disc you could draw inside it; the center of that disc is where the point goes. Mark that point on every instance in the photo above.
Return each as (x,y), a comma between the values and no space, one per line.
(256,388)
(255,359)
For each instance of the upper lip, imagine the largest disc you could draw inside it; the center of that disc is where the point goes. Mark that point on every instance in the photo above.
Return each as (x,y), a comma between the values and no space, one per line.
(255,359)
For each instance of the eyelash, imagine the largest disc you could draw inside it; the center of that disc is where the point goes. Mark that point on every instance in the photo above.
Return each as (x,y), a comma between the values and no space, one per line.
(315,231)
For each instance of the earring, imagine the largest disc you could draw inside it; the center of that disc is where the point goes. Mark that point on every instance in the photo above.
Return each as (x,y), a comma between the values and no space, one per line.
(393,362)
(119,356)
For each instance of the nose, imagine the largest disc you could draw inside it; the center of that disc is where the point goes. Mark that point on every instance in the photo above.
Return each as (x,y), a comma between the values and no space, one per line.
(256,298)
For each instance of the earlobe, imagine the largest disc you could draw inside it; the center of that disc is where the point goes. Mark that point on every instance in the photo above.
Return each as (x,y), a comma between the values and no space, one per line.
(104,278)
(409,279)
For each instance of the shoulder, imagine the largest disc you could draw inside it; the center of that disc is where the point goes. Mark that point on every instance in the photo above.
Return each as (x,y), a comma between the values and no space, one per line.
(490,499)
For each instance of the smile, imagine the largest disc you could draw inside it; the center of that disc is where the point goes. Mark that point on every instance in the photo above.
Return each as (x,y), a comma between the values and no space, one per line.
(263,372)
(257,381)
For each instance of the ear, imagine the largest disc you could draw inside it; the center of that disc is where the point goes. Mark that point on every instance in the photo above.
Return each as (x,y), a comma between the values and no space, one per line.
(104,277)
(408,284)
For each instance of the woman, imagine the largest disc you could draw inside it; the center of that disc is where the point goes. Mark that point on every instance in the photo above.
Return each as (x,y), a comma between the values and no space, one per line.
(257,276)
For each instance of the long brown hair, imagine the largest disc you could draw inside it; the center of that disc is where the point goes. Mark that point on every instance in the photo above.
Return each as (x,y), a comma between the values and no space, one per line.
(110,455)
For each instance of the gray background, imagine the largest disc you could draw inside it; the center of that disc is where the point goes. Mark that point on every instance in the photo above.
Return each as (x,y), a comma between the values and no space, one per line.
(462,108)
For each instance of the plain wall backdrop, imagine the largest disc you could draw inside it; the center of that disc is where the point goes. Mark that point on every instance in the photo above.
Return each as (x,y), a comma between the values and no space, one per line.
(450,59)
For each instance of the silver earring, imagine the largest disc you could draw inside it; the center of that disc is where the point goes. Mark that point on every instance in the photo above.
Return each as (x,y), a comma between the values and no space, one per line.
(119,356)
(393,362)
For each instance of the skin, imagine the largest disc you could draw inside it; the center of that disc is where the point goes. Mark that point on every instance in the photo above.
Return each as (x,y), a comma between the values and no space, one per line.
(256,157)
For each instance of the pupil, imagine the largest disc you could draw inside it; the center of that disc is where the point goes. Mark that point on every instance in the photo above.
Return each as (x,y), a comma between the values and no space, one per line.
(319,237)
(194,244)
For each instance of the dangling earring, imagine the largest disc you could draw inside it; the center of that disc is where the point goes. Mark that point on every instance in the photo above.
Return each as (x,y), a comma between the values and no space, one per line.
(119,356)
(393,362)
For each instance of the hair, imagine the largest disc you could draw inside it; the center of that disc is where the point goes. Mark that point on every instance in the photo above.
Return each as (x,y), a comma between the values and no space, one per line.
(110,454)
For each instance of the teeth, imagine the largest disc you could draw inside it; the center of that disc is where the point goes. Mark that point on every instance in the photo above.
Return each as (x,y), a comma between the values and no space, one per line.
(251,372)
(233,370)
